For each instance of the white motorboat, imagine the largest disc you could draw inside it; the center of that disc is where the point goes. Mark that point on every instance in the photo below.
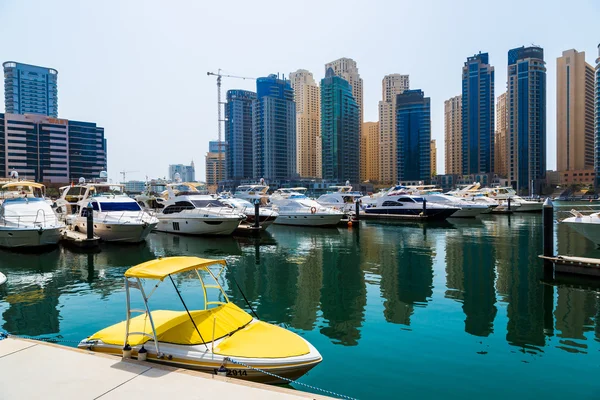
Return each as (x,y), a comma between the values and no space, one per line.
(117,217)
(403,205)
(586,225)
(266,216)
(522,205)
(189,212)
(253,192)
(27,221)
(295,208)
(341,198)
(467,209)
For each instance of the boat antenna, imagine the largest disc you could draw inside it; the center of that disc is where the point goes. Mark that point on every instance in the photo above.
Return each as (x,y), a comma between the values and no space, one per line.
(188,311)
(244,296)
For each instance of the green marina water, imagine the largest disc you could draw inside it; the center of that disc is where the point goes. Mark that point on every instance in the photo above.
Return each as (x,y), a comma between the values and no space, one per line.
(454,310)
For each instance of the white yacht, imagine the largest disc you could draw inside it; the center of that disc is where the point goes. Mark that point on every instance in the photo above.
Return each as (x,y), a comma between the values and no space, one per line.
(295,208)
(402,205)
(253,192)
(467,209)
(522,205)
(341,198)
(266,215)
(117,217)
(586,225)
(27,220)
(192,213)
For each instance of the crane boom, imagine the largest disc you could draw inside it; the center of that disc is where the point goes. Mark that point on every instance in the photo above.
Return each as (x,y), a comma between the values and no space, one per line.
(219,76)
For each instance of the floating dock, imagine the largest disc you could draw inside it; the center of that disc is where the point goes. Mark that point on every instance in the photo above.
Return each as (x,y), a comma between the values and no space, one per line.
(575,265)
(37,370)
(79,239)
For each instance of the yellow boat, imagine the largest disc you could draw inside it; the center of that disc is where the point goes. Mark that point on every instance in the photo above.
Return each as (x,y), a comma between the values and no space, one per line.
(219,338)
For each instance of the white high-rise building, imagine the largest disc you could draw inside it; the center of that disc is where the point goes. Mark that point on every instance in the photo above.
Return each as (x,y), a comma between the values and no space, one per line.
(391,86)
(307,96)
(347,69)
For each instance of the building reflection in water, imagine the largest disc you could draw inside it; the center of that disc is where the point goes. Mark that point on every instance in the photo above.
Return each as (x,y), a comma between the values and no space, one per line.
(406,268)
(470,272)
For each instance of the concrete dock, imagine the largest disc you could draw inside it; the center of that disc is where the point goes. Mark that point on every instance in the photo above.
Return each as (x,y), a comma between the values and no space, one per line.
(36,370)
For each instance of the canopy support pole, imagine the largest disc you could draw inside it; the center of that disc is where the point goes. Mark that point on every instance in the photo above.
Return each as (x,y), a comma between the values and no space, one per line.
(158,355)
(188,311)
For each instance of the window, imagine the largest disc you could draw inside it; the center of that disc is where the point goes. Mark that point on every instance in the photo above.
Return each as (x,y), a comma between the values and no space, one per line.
(118,206)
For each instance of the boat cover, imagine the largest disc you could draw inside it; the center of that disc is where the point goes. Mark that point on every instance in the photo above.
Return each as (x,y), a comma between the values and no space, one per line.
(161,268)
(176,327)
(263,340)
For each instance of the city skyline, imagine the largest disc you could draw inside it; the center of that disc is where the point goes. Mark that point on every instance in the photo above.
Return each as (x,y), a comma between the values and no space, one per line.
(132,105)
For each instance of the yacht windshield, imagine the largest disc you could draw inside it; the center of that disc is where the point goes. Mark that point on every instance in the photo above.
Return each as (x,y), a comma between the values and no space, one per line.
(207,203)
(120,206)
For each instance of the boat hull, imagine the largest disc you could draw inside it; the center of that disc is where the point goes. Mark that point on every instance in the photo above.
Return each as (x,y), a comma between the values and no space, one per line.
(197,226)
(121,233)
(591,230)
(316,219)
(29,237)
(264,221)
(467,212)
(430,214)
(529,207)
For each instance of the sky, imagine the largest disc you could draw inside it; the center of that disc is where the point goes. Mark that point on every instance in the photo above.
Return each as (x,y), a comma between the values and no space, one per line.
(138,67)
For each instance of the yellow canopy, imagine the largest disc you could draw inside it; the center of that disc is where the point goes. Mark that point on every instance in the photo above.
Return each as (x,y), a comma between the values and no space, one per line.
(23,183)
(159,269)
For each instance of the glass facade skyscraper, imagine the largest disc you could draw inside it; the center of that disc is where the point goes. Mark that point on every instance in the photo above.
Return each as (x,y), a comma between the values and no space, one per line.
(526,108)
(274,129)
(413,127)
(47,149)
(238,134)
(340,130)
(597,121)
(29,89)
(477,115)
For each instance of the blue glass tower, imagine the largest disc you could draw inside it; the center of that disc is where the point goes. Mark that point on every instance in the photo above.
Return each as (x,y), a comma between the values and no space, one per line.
(340,130)
(477,115)
(413,127)
(597,121)
(238,134)
(526,105)
(30,89)
(274,129)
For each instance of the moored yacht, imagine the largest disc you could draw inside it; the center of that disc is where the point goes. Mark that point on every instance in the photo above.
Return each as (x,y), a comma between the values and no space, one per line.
(253,192)
(295,208)
(27,220)
(266,215)
(586,225)
(117,217)
(192,213)
(341,198)
(402,205)
(467,209)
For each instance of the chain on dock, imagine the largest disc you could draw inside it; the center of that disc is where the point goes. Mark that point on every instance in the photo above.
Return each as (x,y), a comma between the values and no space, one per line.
(4,335)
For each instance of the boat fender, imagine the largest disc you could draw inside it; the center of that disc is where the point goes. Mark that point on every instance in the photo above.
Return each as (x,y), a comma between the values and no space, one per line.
(349,224)
(222,371)
(127,351)
(313,209)
(142,354)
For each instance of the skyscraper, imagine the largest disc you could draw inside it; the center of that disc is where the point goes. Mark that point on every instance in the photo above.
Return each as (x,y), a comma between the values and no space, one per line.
(574,112)
(526,105)
(30,89)
(369,152)
(500,139)
(238,135)
(187,173)
(307,96)
(597,122)
(340,131)
(347,69)
(274,129)
(391,86)
(433,157)
(453,135)
(215,165)
(413,119)
(477,115)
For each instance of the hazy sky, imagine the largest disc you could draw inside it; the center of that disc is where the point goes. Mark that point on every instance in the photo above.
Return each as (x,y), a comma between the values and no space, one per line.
(138,68)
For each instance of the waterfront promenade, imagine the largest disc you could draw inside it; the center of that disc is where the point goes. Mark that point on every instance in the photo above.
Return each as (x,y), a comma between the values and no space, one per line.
(36,370)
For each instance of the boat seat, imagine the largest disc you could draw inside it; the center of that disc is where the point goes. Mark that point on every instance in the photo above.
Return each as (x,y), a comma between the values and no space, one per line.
(262,340)
(176,327)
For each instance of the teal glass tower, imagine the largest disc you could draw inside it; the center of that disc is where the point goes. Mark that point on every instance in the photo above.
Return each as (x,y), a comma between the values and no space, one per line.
(413,127)
(477,115)
(29,89)
(340,130)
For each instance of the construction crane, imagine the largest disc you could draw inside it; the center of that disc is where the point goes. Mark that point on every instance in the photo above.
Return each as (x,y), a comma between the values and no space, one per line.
(124,173)
(219,76)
